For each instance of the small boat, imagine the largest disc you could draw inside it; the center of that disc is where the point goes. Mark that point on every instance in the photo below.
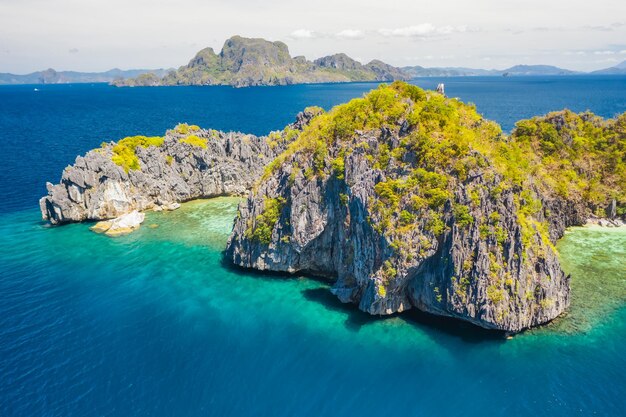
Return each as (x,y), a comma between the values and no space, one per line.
(35,89)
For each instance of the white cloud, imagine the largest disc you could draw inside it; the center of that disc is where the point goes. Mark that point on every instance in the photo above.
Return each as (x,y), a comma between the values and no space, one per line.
(423,30)
(604,52)
(303,34)
(108,34)
(312,34)
(409,31)
(350,34)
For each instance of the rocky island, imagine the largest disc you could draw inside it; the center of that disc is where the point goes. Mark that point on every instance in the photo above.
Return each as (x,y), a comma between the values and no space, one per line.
(245,62)
(403,198)
(143,173)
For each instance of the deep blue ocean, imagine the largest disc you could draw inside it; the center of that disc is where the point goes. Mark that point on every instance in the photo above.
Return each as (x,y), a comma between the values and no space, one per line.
(155,324)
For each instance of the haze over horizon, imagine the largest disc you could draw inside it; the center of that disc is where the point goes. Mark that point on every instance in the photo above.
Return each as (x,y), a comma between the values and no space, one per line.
(74,35)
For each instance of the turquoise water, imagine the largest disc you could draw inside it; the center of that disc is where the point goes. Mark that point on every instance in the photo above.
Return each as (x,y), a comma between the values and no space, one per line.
(155,324)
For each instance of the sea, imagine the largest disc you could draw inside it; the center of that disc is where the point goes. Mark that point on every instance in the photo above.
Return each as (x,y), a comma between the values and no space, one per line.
(156,323)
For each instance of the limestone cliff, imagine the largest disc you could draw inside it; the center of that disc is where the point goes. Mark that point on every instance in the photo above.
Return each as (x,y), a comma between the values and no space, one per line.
(408,199)
(139,173)
(244,62)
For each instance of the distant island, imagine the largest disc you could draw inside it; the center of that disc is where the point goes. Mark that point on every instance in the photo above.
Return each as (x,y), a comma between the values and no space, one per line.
(517,70)
(619,69)
(245,62)
(51,76)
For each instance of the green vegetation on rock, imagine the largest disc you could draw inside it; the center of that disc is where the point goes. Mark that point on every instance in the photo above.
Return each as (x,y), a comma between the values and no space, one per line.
(124,151)
(581,156)
(184,128)
(261,230)
(194,140)
(448,140)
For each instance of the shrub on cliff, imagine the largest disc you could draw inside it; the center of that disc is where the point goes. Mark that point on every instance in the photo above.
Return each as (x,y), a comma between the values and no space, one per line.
(194,140)
(124,151)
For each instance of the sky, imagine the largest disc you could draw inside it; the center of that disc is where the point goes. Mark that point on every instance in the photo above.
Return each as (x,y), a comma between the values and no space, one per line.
(97,35)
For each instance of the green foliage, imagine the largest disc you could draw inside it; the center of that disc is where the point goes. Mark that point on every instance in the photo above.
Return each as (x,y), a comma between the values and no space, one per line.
(382,291)
(389,192)
(338,167)
(194,140)
(319,156)
(124,151)
(438,295)
(435,225)
(315,110)
(388,270)
(184,128)
(580,156)
(495,294)
(406,218)
(463,216)
(501,235)
(264,223)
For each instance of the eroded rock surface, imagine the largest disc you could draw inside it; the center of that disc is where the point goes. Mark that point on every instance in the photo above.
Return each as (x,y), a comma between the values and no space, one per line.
(120,226)
(212,164)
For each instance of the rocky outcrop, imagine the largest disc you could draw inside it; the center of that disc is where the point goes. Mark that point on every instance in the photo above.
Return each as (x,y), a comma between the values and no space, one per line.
(245,62)
(120,226)
(189,163)
(408,199)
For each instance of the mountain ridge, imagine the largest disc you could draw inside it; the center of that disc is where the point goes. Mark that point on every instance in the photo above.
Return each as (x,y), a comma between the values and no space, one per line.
(277,68)
(245,62)
(516,70)
(619,69)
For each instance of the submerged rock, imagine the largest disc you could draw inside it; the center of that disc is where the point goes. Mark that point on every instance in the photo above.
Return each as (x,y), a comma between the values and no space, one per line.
(408,199)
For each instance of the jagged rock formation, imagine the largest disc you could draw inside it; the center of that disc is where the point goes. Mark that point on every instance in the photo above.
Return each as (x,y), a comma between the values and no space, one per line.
(408,199)
(140,173)
(404,198)
(245,62)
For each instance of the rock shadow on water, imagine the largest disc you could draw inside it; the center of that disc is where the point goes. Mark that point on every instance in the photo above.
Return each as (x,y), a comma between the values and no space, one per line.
(275,275)
(356,319)
(445,326)
(452,327)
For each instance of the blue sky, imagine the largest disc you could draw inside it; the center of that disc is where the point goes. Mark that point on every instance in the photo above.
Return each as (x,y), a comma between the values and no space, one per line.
(96,35)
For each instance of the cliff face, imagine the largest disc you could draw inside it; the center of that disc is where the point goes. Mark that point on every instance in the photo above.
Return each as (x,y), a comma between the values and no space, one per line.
(408,200)
(244,62)
(140,173)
